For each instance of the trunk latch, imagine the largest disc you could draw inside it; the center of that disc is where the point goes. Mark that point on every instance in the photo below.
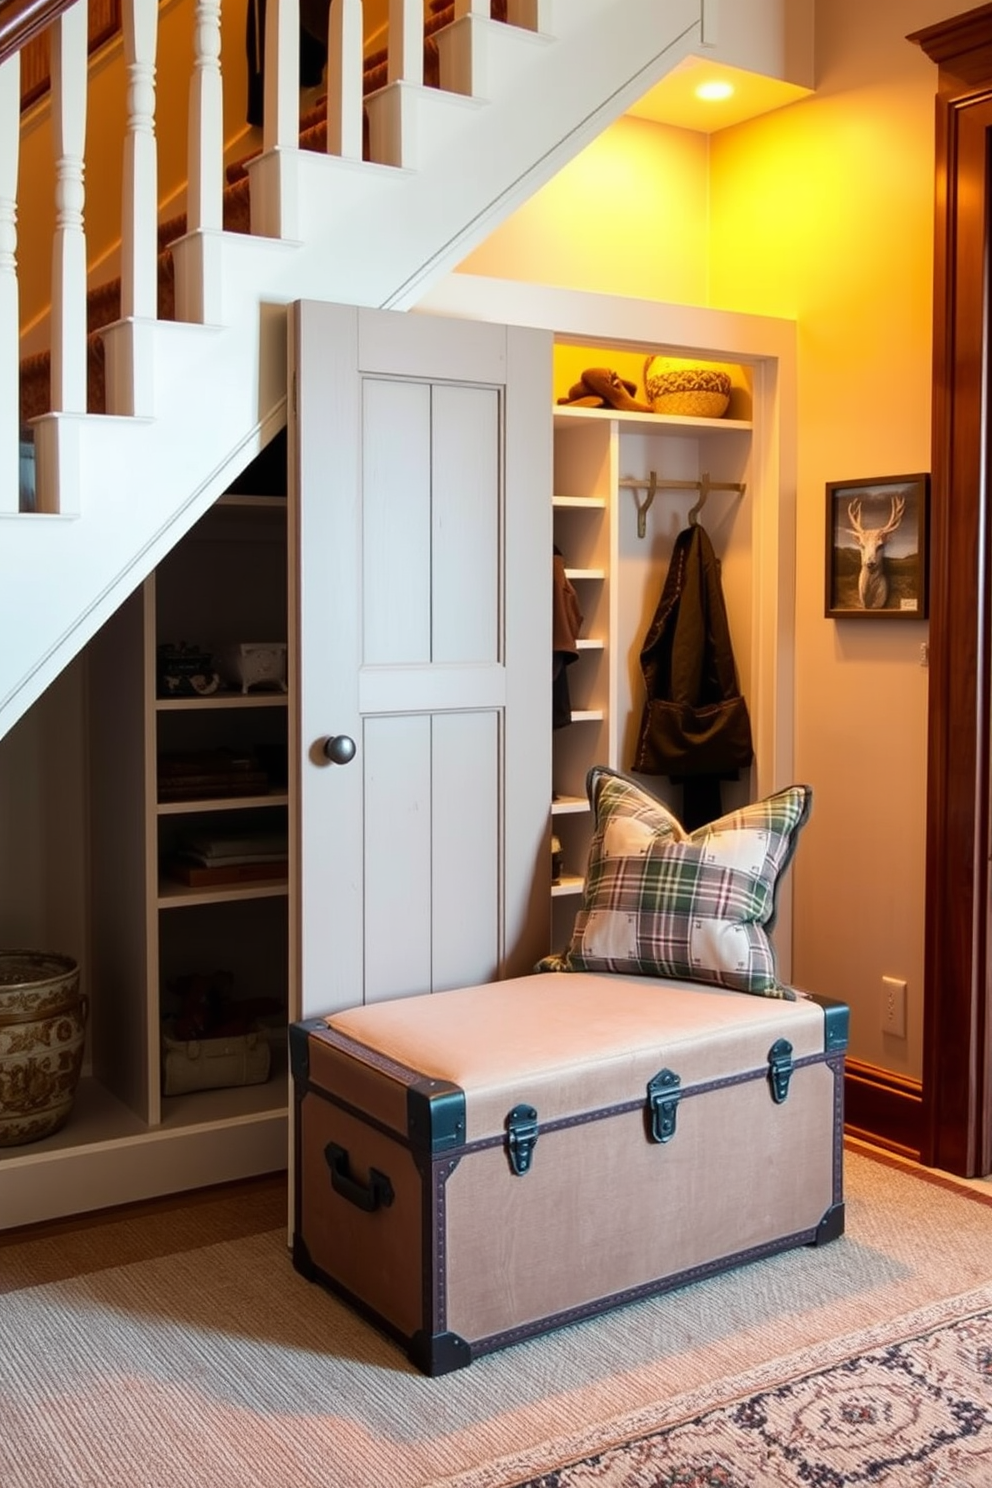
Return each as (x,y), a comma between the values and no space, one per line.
(521,1138)
(663,1099)
(780,1069)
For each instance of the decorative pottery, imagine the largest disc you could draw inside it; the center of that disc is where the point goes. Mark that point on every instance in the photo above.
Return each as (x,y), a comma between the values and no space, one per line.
(42,1030)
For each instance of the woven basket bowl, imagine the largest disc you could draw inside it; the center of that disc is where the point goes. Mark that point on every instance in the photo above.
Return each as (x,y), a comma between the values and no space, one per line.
(42,1030)
(692,392)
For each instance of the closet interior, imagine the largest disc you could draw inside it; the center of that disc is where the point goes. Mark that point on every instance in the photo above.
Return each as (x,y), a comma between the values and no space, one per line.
(625,484)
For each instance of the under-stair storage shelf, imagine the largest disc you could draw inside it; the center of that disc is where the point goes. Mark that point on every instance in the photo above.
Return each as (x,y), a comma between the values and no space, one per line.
(603,465)
(189,881)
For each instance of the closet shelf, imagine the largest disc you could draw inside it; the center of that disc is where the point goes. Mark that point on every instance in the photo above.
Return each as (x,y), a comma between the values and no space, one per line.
(220,803)
(594,574)
(590,643)
(668,423)
(579,503)
(569,805)
(172,895)
(568,885)
(587,715)
(222,700)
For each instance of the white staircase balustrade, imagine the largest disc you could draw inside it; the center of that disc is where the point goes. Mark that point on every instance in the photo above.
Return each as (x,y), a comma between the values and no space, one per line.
(189,404)
(406,42)
(206,123)
(280,129)
(139,217)
(68,52)
(344,80)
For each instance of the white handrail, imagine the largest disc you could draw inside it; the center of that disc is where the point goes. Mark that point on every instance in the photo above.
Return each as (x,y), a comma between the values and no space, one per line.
(68,40)
(139,224)
(10,105)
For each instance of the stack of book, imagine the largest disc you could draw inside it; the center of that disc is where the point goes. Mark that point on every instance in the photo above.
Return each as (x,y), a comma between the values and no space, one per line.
(234,857)
(194,775)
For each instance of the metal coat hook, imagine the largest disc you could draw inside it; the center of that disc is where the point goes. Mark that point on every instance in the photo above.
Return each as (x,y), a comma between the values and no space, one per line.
(705,487)
(643,506)
(652,485)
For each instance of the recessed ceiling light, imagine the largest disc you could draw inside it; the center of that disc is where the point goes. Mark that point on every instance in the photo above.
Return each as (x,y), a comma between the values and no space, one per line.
(715,90)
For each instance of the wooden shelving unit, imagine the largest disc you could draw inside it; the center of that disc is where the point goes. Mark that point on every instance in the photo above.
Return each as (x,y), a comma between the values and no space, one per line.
(225,581)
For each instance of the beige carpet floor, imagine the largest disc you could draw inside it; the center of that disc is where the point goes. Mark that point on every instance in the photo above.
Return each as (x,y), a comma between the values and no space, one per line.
(218,1365)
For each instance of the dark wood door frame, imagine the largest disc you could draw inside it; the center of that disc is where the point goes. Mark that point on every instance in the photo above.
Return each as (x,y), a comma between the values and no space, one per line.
(957,1060)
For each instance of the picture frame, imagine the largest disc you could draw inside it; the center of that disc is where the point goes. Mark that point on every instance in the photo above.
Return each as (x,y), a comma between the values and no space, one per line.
(877,549)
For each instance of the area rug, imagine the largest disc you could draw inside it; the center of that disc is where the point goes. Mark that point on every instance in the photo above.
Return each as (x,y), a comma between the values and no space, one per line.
(866,1361)
(912,1413)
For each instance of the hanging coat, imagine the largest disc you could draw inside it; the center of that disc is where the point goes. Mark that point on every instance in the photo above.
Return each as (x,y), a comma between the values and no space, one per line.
(566,622)
(695,726)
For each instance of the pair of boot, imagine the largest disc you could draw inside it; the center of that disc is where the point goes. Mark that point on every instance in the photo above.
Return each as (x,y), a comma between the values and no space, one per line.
(600,387)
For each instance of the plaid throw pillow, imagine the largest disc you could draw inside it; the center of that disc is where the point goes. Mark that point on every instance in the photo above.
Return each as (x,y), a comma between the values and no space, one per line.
(660,901)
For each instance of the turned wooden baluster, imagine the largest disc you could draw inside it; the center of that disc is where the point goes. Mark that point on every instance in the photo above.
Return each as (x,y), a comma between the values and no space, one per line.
(344,80)
(281,98)
(139,220)
(206,122)
(10,130)
(406,42)
(67,34)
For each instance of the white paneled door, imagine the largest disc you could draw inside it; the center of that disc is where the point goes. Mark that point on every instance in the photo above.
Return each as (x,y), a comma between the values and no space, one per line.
(420,471)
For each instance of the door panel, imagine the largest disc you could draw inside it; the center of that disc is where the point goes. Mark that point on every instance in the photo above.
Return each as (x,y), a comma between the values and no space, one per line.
(465,870)
(396,781)
(465,534)
(396,522)
(420,462)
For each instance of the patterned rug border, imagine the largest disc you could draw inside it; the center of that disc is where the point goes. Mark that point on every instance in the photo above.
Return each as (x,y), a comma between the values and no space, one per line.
(567,1451)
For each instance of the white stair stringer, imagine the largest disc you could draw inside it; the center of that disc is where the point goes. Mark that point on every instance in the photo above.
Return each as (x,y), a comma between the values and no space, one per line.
(364,234)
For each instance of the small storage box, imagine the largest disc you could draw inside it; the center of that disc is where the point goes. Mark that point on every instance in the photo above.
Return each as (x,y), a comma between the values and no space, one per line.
(481,1165)
(251,664)
(214,1063)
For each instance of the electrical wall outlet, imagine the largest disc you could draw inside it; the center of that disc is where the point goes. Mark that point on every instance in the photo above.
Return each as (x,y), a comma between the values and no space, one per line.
(894,1006)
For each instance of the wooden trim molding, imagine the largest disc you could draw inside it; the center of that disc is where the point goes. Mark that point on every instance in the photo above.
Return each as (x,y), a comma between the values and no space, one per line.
(957,1061)
(961,46)
(883,1108)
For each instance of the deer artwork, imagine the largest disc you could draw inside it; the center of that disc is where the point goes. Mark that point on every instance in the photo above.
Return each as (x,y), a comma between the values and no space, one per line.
(873,583)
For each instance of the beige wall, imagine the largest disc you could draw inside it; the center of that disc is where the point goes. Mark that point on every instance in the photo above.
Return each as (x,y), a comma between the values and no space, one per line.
(824,212)
(821,212)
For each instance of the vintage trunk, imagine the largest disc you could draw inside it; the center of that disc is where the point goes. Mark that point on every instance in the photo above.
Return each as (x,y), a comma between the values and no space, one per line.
(481,1165)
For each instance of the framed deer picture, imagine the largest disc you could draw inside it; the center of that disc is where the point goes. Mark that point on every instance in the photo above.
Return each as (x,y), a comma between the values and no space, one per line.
(877,548)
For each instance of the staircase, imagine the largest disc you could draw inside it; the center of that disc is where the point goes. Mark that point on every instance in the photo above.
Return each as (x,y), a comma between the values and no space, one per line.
(141,426)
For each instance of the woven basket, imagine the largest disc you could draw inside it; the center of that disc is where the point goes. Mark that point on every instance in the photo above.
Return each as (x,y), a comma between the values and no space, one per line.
(42,1031)
(693,392)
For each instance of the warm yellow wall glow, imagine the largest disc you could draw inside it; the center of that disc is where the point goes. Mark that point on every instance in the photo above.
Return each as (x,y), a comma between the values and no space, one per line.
(627,216)
(821,212)
(824,212)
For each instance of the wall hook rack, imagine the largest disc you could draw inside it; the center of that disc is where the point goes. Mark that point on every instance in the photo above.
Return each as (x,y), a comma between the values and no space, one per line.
(652,485)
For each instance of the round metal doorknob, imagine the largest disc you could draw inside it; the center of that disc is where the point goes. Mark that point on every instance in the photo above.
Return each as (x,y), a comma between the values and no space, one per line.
(340,749)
